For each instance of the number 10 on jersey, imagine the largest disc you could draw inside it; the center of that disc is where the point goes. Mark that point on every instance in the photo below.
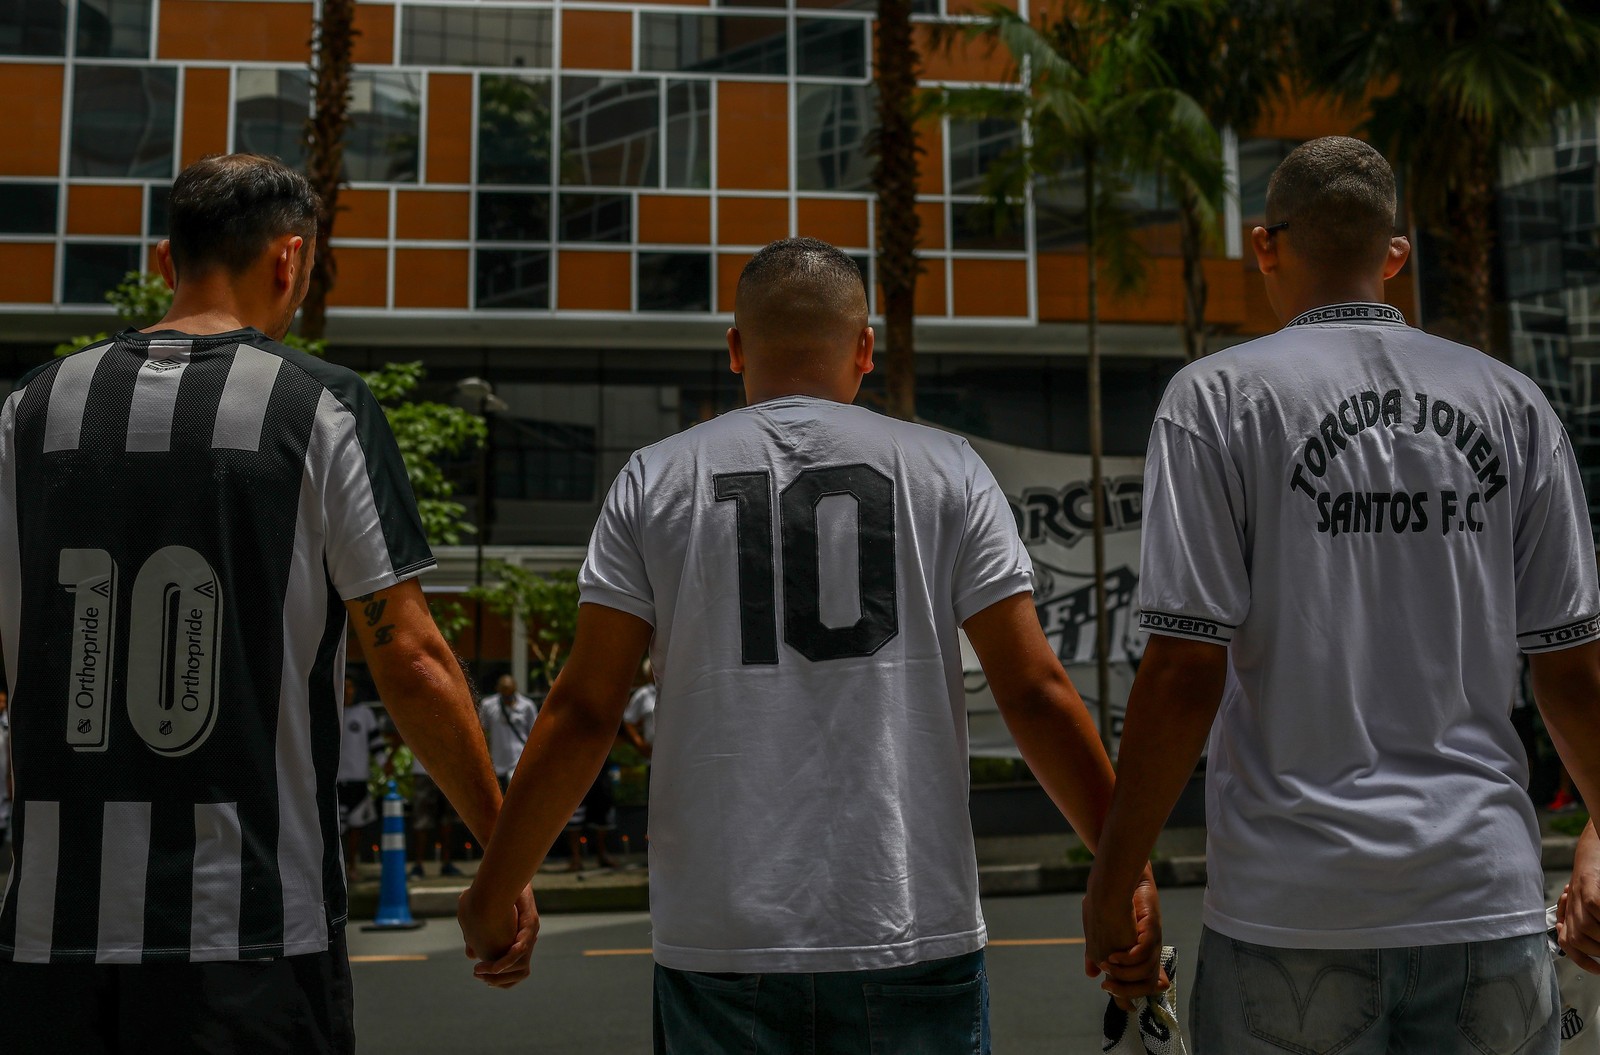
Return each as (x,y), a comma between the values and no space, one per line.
(803,627)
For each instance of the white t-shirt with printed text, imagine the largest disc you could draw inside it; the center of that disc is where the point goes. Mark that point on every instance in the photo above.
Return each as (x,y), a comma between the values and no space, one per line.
(1373,520)
(806,566)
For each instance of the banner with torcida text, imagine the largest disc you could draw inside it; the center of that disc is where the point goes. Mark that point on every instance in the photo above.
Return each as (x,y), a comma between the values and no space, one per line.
(1053,505)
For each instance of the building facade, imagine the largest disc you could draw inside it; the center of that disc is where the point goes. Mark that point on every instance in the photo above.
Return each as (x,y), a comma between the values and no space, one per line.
(558,195)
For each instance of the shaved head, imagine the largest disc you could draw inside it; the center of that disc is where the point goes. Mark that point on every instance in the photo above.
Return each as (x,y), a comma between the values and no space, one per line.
(800,306)
(1337,195)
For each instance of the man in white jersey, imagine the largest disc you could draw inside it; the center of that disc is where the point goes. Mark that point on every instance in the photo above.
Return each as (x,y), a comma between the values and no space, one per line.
(800,569)
(1350,529)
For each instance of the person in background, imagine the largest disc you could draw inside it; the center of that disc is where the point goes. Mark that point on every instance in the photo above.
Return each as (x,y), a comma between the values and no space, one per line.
(360,736)
(433,820)
(639,717)
(596,814)
(507,717)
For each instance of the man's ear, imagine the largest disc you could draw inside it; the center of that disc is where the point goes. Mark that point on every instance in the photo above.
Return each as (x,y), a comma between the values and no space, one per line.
(1399,253)
(164,264)
(1266,250)
(735,350)
(864,345)
(289,260)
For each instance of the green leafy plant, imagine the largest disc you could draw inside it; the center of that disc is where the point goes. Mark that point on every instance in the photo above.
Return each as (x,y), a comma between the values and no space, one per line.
(1570,823)
(546,602)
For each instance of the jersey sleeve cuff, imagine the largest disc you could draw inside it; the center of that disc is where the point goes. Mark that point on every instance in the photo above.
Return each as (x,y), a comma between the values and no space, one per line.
(622,602)
(992,593)
(393,577)
(1559,637)
(1192,627)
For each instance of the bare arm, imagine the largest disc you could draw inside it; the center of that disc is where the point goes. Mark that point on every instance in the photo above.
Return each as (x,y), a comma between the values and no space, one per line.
(1566,685)
(567,747)
(425,692)
(1058,740)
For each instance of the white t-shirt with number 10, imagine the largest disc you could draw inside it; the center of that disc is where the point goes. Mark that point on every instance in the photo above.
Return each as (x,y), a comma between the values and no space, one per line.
(1373,520)
(806,565)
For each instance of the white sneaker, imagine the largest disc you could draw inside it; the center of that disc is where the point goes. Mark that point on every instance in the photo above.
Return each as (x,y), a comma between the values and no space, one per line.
(1152,1027)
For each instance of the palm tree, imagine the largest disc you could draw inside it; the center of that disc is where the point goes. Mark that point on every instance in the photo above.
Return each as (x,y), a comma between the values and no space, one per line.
(333,42)
(1233,57)
(894,177)
(1099,109)
(1449,85)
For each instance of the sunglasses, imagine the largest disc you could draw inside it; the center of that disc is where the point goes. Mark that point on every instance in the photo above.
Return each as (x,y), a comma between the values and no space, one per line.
(1274,228)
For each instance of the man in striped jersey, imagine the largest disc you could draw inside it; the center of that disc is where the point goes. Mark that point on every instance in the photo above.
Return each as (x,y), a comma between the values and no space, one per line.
(186,516)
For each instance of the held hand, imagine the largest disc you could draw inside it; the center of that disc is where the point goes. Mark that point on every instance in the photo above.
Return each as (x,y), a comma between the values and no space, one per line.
(1578,910)
(490,932)
(1124,943)
(513,967)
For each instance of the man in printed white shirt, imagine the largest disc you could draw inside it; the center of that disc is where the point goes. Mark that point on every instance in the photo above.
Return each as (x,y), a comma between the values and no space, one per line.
(506,717)
(800,569)
(1350,529)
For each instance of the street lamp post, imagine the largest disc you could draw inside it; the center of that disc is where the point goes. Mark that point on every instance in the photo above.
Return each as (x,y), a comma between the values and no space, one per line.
(482,392)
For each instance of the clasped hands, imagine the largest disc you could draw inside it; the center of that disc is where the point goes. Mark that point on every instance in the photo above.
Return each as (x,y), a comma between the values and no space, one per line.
(499,937)
(1122,940)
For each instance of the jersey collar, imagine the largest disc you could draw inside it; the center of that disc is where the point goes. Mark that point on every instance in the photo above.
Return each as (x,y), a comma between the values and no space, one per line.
(1353,312)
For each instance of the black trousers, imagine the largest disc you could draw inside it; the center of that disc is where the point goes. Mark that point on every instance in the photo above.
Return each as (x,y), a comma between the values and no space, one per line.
(298,1004)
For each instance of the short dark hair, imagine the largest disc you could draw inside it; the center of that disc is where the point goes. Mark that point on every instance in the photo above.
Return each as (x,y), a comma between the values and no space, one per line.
(799,289)
(1338,196)
(225,210)
(784,261)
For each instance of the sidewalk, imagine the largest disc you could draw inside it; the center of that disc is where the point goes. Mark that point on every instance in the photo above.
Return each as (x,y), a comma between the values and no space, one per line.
(1029,864)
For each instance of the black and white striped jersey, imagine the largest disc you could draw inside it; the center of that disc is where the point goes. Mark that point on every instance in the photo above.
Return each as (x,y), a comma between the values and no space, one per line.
(180,519)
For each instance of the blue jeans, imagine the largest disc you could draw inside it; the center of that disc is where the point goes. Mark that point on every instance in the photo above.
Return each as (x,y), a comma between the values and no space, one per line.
(940,1007)
(1476,998)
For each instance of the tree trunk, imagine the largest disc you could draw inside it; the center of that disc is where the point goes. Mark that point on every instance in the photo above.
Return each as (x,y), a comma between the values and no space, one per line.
(1465,253)
(1097,479)
(332,44)
(894,177)
(1194,274)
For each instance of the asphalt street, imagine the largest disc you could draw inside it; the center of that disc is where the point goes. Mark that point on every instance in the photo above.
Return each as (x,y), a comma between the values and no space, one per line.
(590,990)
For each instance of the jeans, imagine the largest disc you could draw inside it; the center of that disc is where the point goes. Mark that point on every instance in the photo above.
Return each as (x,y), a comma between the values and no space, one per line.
(940,1007)
(1475,998)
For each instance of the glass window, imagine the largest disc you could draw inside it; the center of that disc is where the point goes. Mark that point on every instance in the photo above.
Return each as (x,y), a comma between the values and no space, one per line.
(831,47)
(596,218)
(831,127)
(385,132)
(1258,158)
(270,108)
(33,27)
(156,215)
(475,36)
(90,271)
(513,129)
(974,147)
(674,282)
(122,118)
(713,43)
(918,7)
(549,461)
(610,132)
(509,216)
(114,29)
(982,226)
(28,208)
(513,279)
(689,134)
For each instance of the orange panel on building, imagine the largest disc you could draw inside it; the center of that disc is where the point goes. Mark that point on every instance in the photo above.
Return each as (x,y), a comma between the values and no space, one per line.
(375,34)
(33,121)
(362,214)
(975,7)
(930,288)
(989,287)
(205,113)
(674,219)
(930,163)
(842,222)
(234,30)
(433,215)
(430,278)
(449,128)
(105,210)
(752,135)
(593,281)
(363,279)
(752,221)
(30,271)
(728,267)
(596,40)
(951,56)
(931,234)
(1306,117)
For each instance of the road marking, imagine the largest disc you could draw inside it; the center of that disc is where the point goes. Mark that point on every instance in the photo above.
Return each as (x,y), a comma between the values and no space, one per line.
(618,952)
(1003,943)
(396,958)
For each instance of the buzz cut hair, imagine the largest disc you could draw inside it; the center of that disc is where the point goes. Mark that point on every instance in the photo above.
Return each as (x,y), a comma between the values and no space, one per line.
(226,209)
(1337,195)
(822,270)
